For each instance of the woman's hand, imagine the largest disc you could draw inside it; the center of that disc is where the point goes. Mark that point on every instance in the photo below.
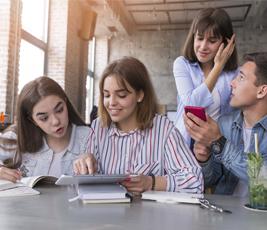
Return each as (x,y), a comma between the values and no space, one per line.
(138,184)
(223,54)
(86,164)
(10,174)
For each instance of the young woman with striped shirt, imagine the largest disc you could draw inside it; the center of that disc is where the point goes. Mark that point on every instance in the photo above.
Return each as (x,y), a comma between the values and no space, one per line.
(129,137)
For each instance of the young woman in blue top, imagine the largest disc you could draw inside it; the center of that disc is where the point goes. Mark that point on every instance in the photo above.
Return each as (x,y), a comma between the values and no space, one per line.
(49,134)
(209,63)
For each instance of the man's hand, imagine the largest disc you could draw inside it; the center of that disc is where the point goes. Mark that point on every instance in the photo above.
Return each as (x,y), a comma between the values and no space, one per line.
(202,152)
(86,164)
(203,132)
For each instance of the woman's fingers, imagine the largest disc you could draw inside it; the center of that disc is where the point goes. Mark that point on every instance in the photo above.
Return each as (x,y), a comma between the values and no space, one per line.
(85,165)
(10,174)
(225,52)
(91,165)
(220,50)
(138,184)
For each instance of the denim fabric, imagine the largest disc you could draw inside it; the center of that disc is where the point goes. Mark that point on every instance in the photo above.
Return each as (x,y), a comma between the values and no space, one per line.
(224,170)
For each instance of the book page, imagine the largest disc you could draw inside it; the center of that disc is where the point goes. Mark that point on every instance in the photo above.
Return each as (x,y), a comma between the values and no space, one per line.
(32,181)
(5,184)
(19,191)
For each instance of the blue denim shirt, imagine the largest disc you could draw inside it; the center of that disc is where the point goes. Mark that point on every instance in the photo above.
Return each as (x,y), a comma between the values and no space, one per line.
(192,90)
(224,170)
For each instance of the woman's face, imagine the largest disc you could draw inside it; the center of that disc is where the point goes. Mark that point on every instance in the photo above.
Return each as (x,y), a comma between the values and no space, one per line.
(121,104)
(51,115)
(206,46)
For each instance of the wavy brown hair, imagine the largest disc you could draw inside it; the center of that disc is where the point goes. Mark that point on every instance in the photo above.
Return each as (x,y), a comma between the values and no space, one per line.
(133,72)
(214,20)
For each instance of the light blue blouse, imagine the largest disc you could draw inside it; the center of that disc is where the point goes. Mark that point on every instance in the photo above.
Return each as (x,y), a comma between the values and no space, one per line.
(35,164)
(192,90)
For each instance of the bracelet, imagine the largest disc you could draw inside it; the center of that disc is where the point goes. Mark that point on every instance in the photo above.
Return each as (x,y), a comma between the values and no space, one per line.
(153,181)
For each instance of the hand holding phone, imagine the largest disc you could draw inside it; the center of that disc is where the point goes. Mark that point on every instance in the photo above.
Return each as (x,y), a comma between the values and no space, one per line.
(197,111)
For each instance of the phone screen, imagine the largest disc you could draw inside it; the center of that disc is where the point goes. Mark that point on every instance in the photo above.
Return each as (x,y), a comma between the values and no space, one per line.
(197,111)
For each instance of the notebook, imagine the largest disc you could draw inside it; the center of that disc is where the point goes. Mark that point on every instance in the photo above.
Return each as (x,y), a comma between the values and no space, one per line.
(172,197)
(103,193)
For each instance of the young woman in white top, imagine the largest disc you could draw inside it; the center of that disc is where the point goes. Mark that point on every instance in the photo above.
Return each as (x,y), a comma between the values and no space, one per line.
(129,137)
(209,63)
(49,133)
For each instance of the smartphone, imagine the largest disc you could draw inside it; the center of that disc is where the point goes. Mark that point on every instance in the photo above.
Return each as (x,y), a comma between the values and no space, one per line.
(197,111)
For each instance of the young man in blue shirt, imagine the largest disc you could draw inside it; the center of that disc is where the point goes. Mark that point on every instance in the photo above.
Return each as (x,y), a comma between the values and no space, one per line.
(221,148)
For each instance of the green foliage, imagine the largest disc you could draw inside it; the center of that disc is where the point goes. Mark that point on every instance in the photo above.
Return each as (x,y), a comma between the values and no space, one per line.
(255,162)
(258,196)
(257,190)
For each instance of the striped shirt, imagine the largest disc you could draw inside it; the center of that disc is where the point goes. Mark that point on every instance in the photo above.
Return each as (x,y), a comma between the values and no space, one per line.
(159,150)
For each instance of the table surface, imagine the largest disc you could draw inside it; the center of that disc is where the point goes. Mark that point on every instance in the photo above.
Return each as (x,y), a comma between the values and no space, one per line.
(51,210)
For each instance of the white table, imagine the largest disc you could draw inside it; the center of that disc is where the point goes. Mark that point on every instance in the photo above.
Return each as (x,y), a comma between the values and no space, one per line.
(51,210)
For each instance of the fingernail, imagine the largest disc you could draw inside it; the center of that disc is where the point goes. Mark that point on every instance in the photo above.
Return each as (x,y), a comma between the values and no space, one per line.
(127,179)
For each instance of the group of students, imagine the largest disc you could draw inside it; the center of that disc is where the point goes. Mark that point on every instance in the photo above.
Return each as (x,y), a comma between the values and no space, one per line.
(130,137)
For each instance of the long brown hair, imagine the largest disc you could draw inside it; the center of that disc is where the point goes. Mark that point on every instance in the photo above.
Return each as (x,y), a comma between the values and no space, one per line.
(217,21)
(29,136)
(8,144)
(134,72)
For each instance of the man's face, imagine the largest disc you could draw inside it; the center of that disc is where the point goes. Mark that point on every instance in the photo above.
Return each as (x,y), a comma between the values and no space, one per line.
(244,90)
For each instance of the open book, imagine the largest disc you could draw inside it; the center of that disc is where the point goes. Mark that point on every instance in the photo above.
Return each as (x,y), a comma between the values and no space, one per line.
(103,193)
(172,197)
(23,187)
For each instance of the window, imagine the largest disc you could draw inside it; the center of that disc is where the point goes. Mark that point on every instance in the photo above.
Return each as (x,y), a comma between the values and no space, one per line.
(33,40)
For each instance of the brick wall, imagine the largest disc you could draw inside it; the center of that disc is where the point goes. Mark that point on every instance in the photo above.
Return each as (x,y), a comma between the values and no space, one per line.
(57,40)
(9,52)
(4,40)
(67,53)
